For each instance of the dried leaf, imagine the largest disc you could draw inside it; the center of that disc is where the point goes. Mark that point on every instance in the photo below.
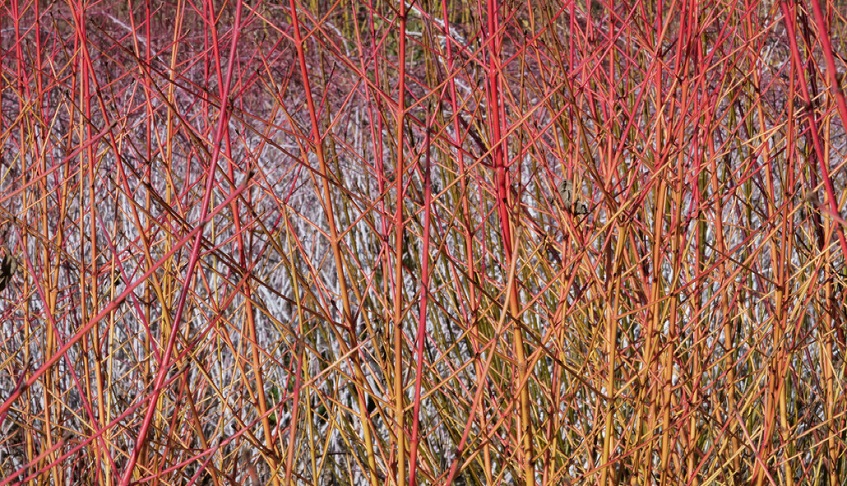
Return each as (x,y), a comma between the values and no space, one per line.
(566,193)
(580,208)
(8,267)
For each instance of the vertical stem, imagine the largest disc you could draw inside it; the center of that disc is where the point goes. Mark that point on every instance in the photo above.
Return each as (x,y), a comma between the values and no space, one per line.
(421,333)
(335,242)
(399,229)
(165,363)
(611,309)
(503,209)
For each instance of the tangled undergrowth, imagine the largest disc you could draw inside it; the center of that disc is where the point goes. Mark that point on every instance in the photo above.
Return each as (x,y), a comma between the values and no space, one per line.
(426,242)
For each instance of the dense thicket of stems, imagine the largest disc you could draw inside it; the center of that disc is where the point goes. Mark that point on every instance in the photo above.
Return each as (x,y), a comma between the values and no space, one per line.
(432,242)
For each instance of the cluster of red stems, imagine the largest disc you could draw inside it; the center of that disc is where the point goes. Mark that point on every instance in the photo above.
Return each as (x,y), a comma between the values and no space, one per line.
(423,242)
